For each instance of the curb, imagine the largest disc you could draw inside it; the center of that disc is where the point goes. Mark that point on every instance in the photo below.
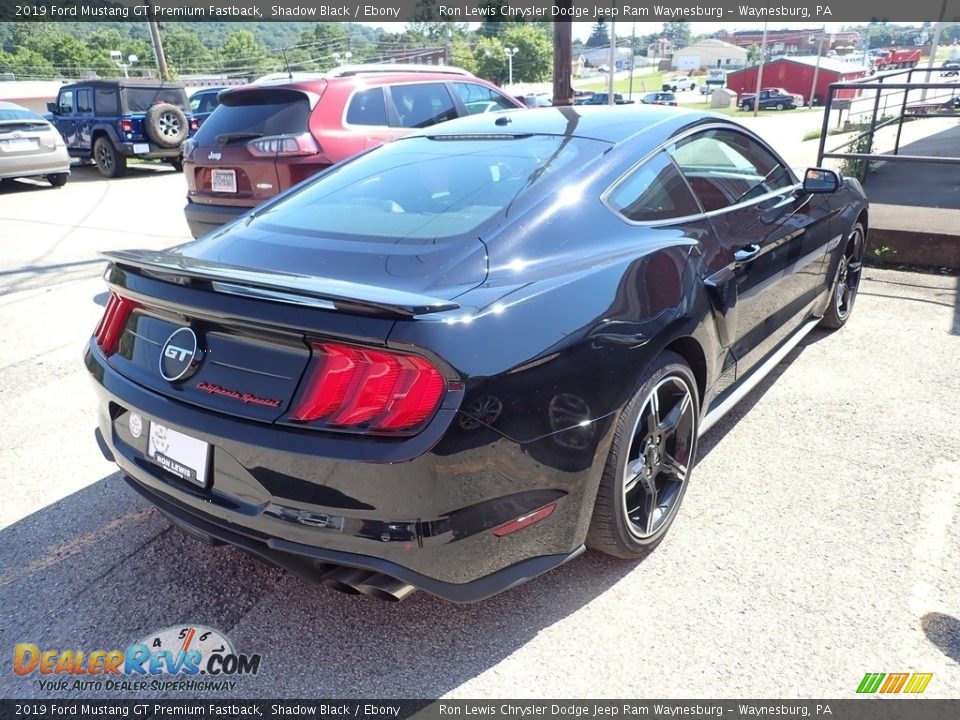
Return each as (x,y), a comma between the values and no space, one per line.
(907,247)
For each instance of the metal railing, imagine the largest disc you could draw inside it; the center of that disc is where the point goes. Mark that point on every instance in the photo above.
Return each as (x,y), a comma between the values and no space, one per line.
(911,100)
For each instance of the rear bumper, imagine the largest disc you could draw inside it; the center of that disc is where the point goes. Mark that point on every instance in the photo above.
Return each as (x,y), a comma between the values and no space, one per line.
(422,512)
(36,165)
(155,152)
(206,218)
(312,562)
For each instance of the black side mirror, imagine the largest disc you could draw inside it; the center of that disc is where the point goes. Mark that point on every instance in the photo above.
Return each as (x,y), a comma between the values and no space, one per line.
(820,181)
(52,107)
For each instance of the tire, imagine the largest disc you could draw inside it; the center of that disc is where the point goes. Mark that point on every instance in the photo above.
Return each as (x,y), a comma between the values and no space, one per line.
(109,162)
(58,179)
(629,520)
(779,106)
(166,125)
(176,163)
(846,281)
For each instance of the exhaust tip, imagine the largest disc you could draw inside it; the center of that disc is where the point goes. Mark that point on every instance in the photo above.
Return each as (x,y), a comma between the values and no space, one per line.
(384,587)
(345,579)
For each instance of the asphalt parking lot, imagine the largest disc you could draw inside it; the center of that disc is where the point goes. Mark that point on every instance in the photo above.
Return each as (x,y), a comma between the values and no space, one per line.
(819,540)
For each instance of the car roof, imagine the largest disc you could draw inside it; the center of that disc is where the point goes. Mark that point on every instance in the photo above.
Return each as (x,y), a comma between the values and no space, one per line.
(601,122)
(313,83)
(126,82)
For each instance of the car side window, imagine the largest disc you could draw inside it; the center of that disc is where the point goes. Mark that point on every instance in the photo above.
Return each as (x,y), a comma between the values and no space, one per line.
(85,101)
(106,101)
(423,104)
(726,168)
(65,103)
(367,107)
(481,99)
(655,191)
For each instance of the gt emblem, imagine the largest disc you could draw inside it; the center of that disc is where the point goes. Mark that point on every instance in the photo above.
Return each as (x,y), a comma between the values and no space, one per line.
(180,355)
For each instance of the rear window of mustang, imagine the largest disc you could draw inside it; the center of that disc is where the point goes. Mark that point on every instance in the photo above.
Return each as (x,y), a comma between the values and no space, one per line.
(429,188)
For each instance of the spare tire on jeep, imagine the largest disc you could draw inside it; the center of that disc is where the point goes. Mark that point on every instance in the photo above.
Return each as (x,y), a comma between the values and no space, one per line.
(166,125)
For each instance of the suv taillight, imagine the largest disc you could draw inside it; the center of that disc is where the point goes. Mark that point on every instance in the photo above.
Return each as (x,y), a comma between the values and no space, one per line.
(353,387)
(111,325)
(126,126)
(284,146)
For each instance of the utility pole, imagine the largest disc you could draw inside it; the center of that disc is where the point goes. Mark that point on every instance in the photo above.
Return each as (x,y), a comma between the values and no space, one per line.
(633,56)
(157,44)
(816,70)
(612,66)
(933,46)
(763,57)
(562,58)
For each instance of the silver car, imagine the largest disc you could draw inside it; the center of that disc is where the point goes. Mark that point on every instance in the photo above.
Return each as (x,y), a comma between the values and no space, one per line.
(31,147)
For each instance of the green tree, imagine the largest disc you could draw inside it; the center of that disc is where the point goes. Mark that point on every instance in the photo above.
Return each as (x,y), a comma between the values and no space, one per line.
(241,53)
(599,37)
(678,33)
(27,64)
(185,52)
(462,56)
(533,61)
(490,59)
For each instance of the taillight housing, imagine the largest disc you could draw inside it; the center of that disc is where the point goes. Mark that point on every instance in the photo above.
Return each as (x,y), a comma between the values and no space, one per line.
(126,126)
(111,325)
(194,123)
(357,388)
(283,146)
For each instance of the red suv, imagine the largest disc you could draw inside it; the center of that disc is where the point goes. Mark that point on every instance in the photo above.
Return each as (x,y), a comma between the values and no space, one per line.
(268,136)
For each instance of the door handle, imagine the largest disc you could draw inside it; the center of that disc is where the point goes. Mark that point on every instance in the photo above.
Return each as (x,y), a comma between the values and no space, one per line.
(747,253)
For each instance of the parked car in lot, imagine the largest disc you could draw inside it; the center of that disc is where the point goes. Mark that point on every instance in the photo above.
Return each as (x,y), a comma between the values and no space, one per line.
(453,362)
(602,98)
(31,147)
(678,83)
(659,98)
(203,102)
(770,99)
(266,137)
(950,69)
(109,121)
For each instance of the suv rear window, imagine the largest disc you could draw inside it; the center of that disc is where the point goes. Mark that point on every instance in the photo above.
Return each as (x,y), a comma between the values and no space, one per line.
(141,99)
(256,113)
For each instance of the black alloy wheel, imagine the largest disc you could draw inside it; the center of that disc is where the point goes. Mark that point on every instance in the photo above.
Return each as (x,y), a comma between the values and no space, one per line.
(651,458)
(846,282)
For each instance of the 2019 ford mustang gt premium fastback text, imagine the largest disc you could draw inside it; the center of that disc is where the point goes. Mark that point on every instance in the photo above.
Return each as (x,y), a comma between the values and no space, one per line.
(454,361)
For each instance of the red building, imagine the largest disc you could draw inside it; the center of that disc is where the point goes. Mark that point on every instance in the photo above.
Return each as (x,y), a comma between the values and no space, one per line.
(795,75)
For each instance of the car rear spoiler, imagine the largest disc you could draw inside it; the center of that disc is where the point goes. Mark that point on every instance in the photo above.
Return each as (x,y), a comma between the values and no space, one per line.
(291,288)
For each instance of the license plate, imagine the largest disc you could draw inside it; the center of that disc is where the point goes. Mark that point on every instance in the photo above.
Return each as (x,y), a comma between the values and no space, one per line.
(141,148)
(180,454)
(223,181)
(21,144)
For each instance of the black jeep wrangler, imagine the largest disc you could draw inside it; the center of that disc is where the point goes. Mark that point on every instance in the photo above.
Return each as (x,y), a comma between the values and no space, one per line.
(107,121)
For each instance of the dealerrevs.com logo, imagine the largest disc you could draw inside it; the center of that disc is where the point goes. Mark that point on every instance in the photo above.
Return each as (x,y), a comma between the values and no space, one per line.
(183,657)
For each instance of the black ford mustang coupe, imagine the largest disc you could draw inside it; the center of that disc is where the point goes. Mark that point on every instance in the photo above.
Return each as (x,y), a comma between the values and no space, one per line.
(456,360)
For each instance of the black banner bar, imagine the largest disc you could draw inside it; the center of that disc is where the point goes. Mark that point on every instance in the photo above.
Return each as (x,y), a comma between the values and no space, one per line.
(779,12)
(868,708)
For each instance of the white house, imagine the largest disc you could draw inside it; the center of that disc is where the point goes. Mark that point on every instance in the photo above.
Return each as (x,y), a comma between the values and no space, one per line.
(709,54)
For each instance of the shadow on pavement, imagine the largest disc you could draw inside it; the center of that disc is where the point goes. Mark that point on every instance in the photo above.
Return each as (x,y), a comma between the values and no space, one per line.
(101,569)
(944,632)
(917,184)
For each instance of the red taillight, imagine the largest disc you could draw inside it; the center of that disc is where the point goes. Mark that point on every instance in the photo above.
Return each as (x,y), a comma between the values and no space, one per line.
(284,146)
(380,390)
(126,126)
(111,325)
(194,124)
